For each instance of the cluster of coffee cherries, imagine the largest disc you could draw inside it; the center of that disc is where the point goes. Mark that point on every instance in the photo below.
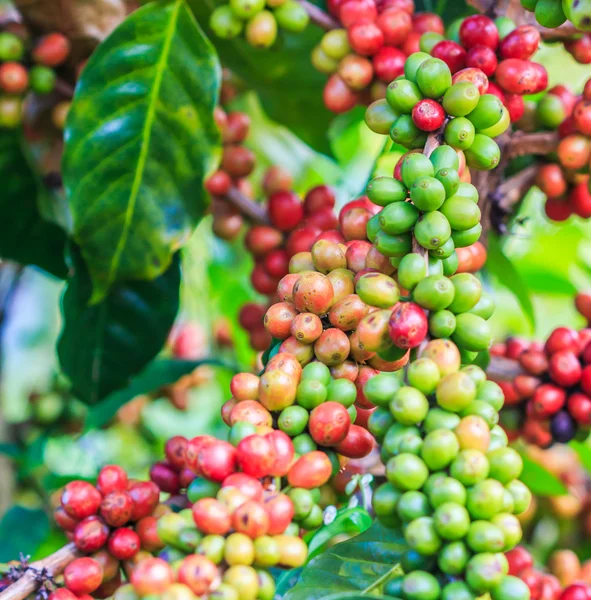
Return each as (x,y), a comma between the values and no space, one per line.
(567,580)
(259,20)
(24,70)
(551,400)
(553,13)
(566,181)
(429,99)
(370,49)
(237,164)
(113,522)
(452,483)
(427,202)
(294,227)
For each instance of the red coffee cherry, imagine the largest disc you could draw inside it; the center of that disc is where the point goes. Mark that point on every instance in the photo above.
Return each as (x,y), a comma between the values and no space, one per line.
(319,198)
(557,209)
(80,499)
(124,543)
(338,96)
(472,75)
(83,575)
(583,304)
(251,519)
(483,58)
(310,471)
(451,53)
(211,516)
(14,78)
(388,63)
(582,116)
(550,179)
(521,43)
(151,576)
(256,455)
(408,325)
(62,594)
(425,22)
(366,38)
(329,424)
(579,407)
(236,129)
(521,76)
(145,496)
(580,48)
(395,26)
(63,519)
(564,368)
(280,510)
(428,115)
(284,453)
(217,460)
(247,485)
(91,534)
(519,559)
(238,161)
(116,508)
(218,184)
(111,478)
(562,338)
(357,11)
(576,591)
(547,400)
(147,529)
(286,210)
(52,50)
(579,199)
(479,29)
(175,449)
(357,443)
(198,573)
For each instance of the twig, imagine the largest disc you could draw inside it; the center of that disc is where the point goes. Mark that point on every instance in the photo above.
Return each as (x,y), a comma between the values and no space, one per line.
(53,565)
(543,142)
(255,212)
(512,190)
(64,88)
(501,369)
(319,17)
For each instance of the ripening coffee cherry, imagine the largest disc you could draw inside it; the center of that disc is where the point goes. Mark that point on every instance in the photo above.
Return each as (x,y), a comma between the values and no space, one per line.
(83,575)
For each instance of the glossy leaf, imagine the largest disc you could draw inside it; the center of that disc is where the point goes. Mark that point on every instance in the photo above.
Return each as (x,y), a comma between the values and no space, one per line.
(505,272)
(283,76)
(25,236)
(140,139)
(156,375)
(359,567)
(22,530)
(103,345)
(539,480)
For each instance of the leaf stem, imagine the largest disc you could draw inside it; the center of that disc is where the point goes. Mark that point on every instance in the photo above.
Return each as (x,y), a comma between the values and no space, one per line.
(395,570)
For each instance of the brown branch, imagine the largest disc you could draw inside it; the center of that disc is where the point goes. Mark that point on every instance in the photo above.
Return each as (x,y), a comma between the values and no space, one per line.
(501,369)
(64,88)
(513,189)
(53,564)
(542,143)
(255,212)
(319,17)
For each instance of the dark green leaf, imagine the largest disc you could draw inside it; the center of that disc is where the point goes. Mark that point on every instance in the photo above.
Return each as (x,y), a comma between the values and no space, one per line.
(448,10)
(22,530)
(356,568)
(25,236)
(584,452)
(103,345)
(11,450)
(140,139)
(540,481)
(503,269)
(352,521)
(156,375)
(288,85)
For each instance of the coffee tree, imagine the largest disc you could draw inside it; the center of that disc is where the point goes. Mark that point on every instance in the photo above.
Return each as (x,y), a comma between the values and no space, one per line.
(406,386)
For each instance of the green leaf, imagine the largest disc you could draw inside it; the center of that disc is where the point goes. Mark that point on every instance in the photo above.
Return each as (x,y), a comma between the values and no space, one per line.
(448,10)
(505,272)
(584,452)
(25,236)
(356,568)
(22,530)
(140,139)
(289,87)
(156,375)
(103,345)
(351,521)
(540,481)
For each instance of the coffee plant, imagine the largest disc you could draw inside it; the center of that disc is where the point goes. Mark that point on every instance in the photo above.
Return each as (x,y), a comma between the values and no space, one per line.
(294,300)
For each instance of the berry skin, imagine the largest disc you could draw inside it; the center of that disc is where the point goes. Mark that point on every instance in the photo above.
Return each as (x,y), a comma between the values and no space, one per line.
(548,400)
(479,29)
(280,510)
(251,519)
(564,368)
(256,455)
(286,210)
(428,115)
(329,424)
(366,38)
(357,443)
(52,50)
(145,496)
(151,576)
(91,534)
(116,508)
(124,543)
(310,471)
(408,325)
(562,338)
(110,479)
(579,407)
(80,499)
(13,78)
(83,576)
(211,516)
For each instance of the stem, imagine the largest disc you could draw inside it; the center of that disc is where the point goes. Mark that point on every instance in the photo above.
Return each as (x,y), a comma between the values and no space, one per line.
(512,190)
(319,17)
(502,369)
(53,564)
(255,212)
(542,143)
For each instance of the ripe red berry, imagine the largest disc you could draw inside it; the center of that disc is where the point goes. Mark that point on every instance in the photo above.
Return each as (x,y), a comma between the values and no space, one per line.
(211,516)
(472,75)
(452,54)
(579,407)
(579,199)
(337,96)
(521,43)
(116,508)
(124,543)
(428,115)
(357,11)
(91,534)
(248,486)
(576,591)
(145,496)
(262,282)
(219,183)
(425,22)
(175,449)
(83,575)
(236,129)
(521,76)
(357,443)
(256,455)
(284,453)
(388,63)
(366,38)
(562,338)
(533,579)
(483,58)
(52,50)
(147,529)
(479,29)
(408,325)
(198,573)
(80,499)
(580,48)
(252,519)
(564,368)
(582,116)
(557,209)
(550,179)
(62,594)
(165,477)
(329,424)
(280,509)
(286,210)
(238,161)
(217,460)
(310,471)
(547,400)
(395,25)
(14,78)
(519,559)
(63,519)
(151,576)
(319,198)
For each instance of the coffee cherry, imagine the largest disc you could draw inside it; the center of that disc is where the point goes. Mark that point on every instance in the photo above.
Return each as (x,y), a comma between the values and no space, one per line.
(52,50)
(83,575)
(124,543)
(80,499)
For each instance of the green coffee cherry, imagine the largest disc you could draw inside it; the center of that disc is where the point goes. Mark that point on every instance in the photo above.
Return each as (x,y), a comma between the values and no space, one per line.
(261,30)
(442,323)
(432,230)
(402,95)
(461,99)
(435,292)
(412,64)
(484,154)
(292,16)
(427,194)
(335,44)
(459,133)
(398,217)
(462,213)
(433,77)
(385,190)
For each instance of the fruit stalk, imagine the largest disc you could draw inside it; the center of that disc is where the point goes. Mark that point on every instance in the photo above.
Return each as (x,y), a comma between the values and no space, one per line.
(542,142)
(503,369)
(318,16)
(255,212)
(53,565)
